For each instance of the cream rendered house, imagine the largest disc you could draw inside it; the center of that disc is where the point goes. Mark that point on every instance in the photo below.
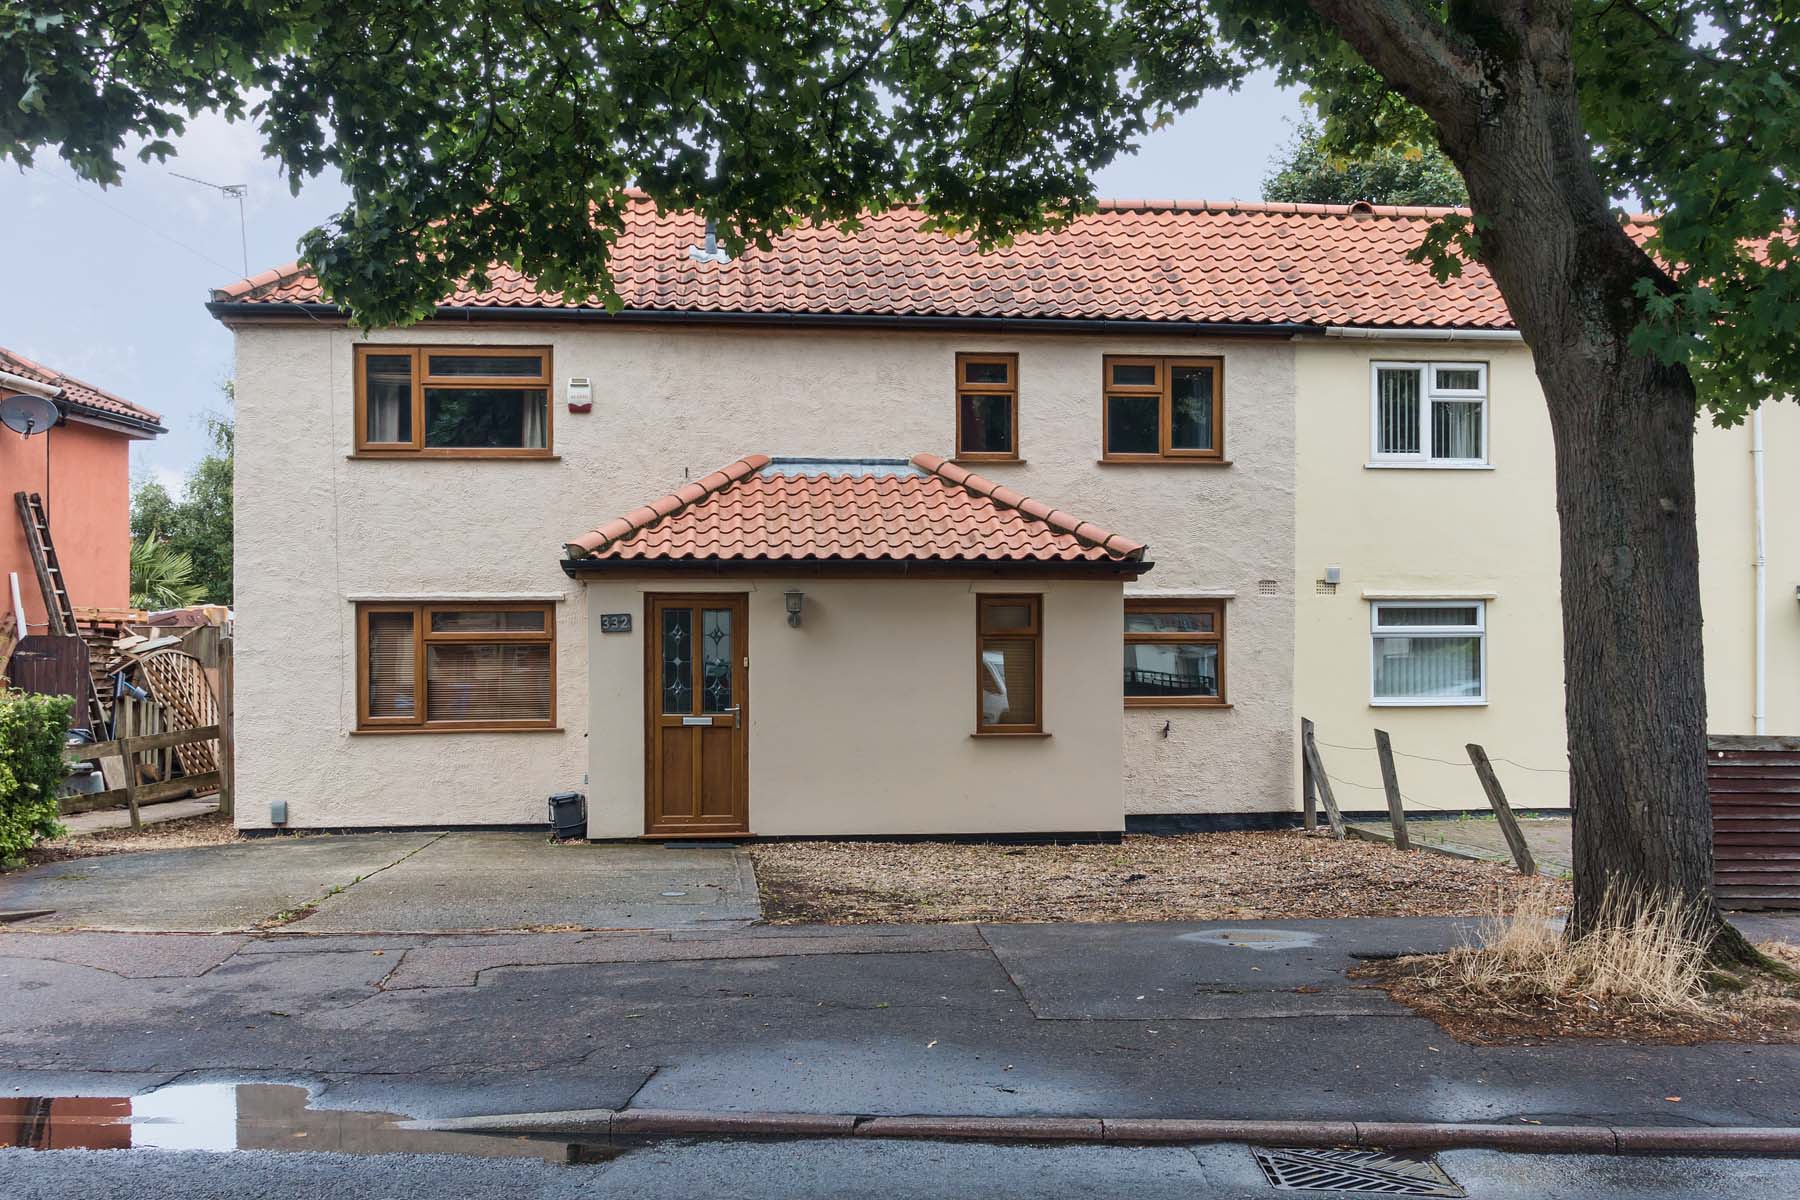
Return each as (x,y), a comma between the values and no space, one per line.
(853,535)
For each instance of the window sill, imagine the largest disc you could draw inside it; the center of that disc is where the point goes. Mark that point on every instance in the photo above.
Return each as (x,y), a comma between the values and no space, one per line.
(1426,466)
(1428,704)
(454,456)
(1011,733)
(1160,702)
(472,728)
(977,460)
(1147,461)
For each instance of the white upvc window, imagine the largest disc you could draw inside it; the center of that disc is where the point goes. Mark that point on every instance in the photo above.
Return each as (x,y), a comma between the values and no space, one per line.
(1428,652)
(1429,414)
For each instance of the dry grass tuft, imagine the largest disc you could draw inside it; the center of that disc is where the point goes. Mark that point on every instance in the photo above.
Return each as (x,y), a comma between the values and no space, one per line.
(1641,974)
(1645,955)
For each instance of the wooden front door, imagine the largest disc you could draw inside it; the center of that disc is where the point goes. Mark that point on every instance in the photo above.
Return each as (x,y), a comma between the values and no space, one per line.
(697,702)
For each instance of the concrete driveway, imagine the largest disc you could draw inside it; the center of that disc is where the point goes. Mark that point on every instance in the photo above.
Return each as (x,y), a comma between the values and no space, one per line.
(393,883)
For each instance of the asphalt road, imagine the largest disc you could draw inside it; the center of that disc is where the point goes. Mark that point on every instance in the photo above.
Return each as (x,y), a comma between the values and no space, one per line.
(1207,1020)
(837,1170)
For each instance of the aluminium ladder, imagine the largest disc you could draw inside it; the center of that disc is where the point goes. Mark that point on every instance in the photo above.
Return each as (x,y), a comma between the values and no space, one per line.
(61,612)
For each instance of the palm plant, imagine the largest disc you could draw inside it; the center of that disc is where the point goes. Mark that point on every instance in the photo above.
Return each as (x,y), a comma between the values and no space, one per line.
(161,576)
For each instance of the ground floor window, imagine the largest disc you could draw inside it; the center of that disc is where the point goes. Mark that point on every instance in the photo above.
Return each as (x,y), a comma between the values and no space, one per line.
(456,666)
(1429,652)
(1174,652)
(1009,664)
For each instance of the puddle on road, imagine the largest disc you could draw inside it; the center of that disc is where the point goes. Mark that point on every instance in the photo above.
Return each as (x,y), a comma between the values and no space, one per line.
(1253,939)
(244,1116)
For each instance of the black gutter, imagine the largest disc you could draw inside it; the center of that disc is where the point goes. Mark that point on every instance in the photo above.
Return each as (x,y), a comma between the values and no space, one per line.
(647,316)
(1081,568)
(106,415)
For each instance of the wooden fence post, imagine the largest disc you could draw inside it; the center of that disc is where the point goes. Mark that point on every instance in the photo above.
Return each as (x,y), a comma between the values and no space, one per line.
(1509,824)
(131,769)
(1310,748)
(1390,783)
(227,732)
(1309,800)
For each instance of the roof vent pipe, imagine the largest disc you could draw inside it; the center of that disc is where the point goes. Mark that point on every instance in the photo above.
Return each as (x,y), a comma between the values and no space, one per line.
(711,252)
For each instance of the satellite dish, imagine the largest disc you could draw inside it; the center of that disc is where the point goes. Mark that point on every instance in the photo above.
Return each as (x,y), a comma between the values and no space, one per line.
(26,414)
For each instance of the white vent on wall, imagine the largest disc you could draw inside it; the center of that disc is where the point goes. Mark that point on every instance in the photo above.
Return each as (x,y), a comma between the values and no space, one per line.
(1267,587)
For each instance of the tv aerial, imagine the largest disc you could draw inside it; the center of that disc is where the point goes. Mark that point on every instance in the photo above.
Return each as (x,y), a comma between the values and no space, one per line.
(234,191)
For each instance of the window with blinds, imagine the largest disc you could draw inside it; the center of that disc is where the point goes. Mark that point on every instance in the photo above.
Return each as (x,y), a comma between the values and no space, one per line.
(457,666)
(1429,652)
(453,401)
(1009,664)
(1430,414)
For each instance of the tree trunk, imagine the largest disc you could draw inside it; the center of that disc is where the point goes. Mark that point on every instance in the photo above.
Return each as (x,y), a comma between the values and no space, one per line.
(1635,694)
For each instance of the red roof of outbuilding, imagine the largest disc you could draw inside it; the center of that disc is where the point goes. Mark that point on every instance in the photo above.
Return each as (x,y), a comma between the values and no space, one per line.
(887,510)
(1136,260)
(84,394)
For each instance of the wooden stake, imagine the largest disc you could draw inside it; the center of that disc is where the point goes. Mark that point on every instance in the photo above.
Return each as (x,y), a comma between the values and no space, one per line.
(1509,824)
(1310,748)
(131,781)
(1309,800)
(1390,783)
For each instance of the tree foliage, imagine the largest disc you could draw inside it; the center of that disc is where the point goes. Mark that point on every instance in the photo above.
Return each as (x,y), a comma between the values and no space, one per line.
(1306,172)
(504,130)
(195,528)
(161,576)
(32,731)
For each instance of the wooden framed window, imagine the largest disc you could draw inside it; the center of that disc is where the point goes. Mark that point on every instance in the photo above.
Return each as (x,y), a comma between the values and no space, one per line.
(1163,409)
(987,407)
(455,666)
(453,401)
(1009,664)
(1174,653)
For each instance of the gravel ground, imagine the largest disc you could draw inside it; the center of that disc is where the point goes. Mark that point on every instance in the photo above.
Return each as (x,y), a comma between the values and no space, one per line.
(1194,877)
(209,830)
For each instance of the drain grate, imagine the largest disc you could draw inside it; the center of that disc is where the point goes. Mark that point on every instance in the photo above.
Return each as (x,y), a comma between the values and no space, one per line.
(1354,1171)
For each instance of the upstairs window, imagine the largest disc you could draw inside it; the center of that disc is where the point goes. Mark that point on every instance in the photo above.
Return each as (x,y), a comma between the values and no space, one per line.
(987,407)
(1429,652)
(456,666)
(1430,414)
(453,401)
(1163,410)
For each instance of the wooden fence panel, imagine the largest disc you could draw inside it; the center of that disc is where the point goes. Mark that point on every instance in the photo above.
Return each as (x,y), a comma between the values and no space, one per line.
(1755,788)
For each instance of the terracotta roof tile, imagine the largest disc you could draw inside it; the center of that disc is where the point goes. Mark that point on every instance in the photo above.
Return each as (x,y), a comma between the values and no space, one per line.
(1311,264)
(84,394)
(920,510)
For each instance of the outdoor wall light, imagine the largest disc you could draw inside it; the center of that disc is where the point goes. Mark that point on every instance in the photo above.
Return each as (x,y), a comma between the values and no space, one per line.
(794,598)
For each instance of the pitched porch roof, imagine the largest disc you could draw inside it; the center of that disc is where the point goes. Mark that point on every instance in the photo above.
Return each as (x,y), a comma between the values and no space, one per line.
(898,513)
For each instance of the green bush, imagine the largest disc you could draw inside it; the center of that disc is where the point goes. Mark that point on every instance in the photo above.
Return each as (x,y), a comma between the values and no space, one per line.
(32,733)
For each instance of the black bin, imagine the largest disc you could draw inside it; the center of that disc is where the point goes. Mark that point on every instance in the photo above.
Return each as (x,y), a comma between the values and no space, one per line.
(568,815)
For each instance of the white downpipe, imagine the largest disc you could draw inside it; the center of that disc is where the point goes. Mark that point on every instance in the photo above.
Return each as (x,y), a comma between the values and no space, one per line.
(18,604)
(1759,717)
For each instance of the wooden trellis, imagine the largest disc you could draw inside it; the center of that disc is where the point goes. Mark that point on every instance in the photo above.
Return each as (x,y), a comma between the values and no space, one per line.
(178,682)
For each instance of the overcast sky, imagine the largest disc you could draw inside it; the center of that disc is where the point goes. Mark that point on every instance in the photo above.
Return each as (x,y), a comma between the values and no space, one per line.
(109,285)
